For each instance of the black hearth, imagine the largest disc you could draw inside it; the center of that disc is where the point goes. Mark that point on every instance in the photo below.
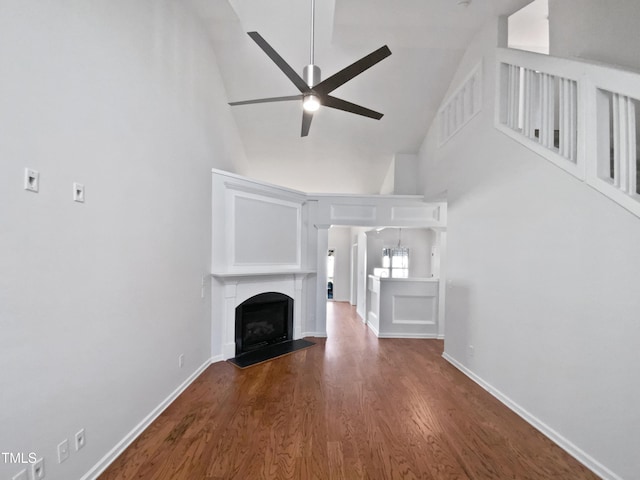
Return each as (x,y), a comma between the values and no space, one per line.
(263,320)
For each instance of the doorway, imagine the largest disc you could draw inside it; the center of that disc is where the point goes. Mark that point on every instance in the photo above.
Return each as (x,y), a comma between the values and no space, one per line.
(331,266)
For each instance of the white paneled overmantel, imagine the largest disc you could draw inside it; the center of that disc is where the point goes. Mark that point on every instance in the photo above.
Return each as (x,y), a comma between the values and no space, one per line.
(257,228)
(267,238)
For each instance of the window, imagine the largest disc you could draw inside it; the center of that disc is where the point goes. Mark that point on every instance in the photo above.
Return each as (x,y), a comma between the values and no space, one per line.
(395,262)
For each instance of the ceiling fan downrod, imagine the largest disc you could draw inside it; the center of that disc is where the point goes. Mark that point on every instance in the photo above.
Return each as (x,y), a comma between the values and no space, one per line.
(311,73)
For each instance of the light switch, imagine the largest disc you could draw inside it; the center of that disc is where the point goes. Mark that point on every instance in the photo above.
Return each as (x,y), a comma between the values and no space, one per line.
(31,180)
(78,192)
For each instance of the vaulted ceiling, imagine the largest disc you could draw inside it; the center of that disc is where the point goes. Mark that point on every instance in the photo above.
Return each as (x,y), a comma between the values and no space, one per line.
(343,152)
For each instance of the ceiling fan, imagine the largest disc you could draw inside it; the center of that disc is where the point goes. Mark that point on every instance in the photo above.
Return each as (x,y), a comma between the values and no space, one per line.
(313,91)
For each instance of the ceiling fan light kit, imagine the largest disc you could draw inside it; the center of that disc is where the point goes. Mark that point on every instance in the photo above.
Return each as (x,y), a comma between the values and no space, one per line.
(311,103)
(313,91)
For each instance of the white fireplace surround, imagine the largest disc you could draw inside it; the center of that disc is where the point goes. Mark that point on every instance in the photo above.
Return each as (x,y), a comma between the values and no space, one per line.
(241,287)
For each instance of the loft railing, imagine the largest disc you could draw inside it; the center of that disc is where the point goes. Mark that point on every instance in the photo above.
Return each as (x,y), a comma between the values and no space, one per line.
(583,117)
(461,106)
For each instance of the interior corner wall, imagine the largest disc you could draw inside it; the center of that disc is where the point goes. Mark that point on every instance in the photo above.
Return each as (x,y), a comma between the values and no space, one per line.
(389,180)
(542,275)
(401,176)
(595,30)
(405,180)
(98,299)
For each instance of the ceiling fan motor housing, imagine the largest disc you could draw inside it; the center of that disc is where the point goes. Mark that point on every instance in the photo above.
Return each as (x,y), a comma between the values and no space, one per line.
(311,75)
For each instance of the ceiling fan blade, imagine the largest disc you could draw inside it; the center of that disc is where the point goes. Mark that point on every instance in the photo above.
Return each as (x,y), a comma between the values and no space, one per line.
(328,85)
(279,61)
(267,100)
(306,123)
(339,104)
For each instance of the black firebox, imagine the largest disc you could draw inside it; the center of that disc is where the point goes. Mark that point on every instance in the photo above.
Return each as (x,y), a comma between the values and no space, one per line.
(263,320)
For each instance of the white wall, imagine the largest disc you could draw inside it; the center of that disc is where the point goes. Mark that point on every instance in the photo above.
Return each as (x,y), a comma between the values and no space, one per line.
(405,178)
(542,280)
(97,300)
(529,27)
(604,31)
(340,242)
(389,179)
(401,176)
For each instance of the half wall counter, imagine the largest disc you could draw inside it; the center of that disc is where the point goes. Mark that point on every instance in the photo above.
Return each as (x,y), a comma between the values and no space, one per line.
(402,307)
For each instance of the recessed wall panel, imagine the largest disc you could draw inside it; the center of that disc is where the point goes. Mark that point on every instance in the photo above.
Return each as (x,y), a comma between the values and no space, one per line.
(414,214)
(265,231)
(353,212)
(414,310)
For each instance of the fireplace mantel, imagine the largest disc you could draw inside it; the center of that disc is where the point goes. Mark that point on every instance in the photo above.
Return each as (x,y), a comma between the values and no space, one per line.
(230,276)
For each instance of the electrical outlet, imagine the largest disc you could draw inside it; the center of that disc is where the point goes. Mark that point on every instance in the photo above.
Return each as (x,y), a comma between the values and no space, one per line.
(181,360)
(31,180)
(471,350)
(37,469)
(63,450)
(21,475)
(81,439)
(78,192)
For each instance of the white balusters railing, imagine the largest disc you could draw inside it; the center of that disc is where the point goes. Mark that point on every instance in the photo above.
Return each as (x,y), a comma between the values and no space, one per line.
(584,118)
(568,120)
(530,107)
(513,100)
(461,106)
(624,142)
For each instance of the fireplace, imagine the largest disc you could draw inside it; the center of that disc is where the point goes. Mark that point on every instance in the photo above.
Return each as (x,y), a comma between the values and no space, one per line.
(262,320)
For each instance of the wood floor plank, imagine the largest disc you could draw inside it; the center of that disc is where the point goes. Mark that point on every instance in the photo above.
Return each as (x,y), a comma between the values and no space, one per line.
(352,407)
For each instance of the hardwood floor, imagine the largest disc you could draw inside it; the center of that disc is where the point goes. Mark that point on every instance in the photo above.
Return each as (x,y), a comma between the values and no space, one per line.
(351,407)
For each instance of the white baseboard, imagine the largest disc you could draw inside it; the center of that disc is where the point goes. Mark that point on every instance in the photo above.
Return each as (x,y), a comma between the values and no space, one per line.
(432,336)
(121,446)
(373,329)
(216,359)
(573,450)
(229,350)
(314,334)
(377,333)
